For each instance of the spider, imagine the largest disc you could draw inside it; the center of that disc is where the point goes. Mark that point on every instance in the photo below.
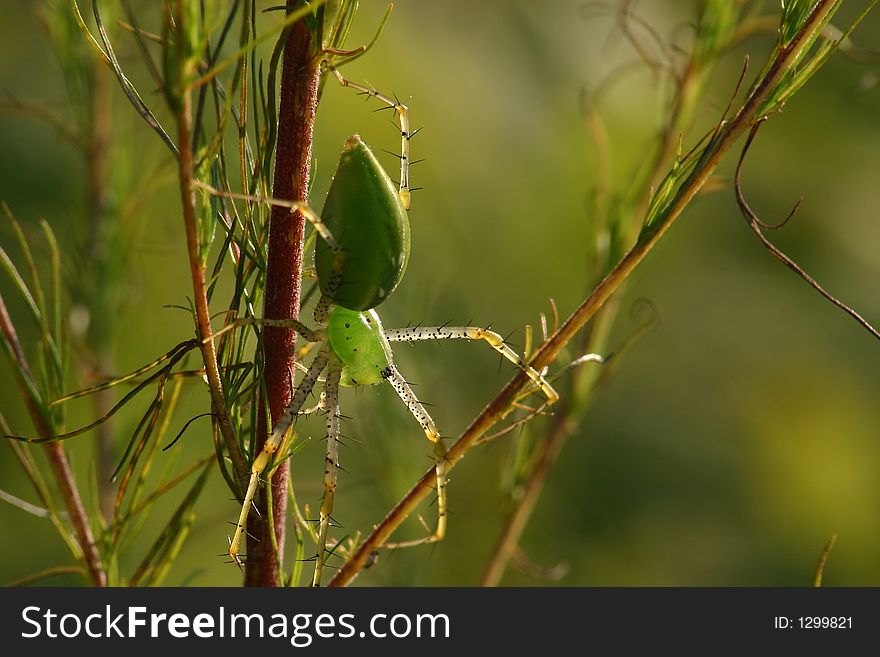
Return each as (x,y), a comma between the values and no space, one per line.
(360,258)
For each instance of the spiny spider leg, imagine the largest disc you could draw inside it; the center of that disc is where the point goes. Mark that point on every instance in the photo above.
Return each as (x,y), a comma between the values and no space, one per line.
(322,308)
(401,387)
(272,444)
(325,302)
(331,463)
(317,408)
(320,227)
(473,333)
(405,134)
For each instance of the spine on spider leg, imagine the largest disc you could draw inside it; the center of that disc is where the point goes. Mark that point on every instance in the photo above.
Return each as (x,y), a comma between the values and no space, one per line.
(331,465)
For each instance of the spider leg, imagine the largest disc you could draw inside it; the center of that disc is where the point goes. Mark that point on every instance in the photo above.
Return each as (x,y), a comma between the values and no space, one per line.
(473,333)
(322,308)
(272,445)
(403,390)
(331,463)
(309,334)
(320,227)
(405,191)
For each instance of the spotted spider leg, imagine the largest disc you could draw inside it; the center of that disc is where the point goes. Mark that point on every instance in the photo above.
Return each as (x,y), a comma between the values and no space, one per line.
(273,443)
(405,191)
(331,464)
(441,466)
(473,333)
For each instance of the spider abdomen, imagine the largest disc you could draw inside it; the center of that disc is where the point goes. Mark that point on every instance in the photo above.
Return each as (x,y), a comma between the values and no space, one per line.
(364,213)
(358,341)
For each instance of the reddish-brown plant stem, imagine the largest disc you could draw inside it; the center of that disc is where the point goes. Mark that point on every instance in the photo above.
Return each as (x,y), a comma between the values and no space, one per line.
(185,171)
(55,454)
(200,289)
(300,75)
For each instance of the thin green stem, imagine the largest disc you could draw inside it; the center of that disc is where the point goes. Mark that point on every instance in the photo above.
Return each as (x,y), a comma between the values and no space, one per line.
(823,560)
(43,574)
(542,460)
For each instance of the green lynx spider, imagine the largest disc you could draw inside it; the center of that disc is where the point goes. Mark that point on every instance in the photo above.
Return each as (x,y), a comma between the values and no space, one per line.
(356,272)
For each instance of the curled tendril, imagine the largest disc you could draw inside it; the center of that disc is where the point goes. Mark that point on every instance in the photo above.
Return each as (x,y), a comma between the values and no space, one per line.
(759,226)
(645,313)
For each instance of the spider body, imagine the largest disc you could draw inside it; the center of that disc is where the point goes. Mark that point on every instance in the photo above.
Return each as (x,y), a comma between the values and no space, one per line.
(358,340)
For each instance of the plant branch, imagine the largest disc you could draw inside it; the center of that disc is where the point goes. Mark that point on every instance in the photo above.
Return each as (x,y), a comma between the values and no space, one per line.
(689,85)
(54,452)
(757,225)
(300,76)
(823,560)
(508,541)
(542,460)
(200,291)
(43,574)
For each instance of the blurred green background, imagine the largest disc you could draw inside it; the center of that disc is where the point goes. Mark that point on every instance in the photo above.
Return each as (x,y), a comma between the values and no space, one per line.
(732,440)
